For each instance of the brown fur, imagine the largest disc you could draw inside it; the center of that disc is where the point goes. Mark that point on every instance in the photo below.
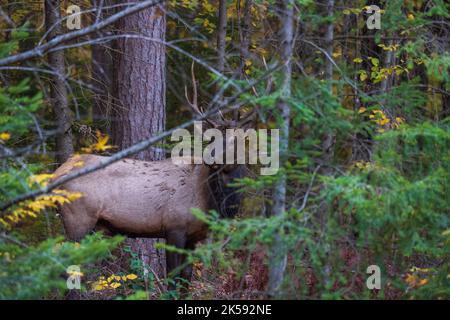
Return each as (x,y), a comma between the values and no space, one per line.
(139,198)
(136,197)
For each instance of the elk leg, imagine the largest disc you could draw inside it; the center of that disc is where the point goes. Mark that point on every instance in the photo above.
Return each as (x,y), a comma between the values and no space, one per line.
(175,260)
(186,273)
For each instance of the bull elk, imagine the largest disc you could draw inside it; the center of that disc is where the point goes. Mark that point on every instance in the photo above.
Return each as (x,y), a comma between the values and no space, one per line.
(149,199)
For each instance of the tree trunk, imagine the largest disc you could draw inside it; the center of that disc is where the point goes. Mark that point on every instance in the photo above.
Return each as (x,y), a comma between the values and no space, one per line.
(247,27)
(139,88)
(329,37)
(329,138)
(244,35)
(102,69)
(327,145)
(388,56)
(278,255)
(58,90)
(221,35)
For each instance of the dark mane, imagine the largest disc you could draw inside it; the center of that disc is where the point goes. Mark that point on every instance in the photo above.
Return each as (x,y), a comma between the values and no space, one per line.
(224,198)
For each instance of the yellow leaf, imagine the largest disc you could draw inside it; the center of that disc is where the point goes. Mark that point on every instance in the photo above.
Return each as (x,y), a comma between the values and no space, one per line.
(411,17)
(41,179)
(422,282)
(5,136)
(384,121)
(336,54)
(98,287)
(357,60)
(115,285)
(131,276)
(208,7)
(362,110)
(399,120)
(411,280)
(374,61)
(424,270)
(363,76)
(101,144)
(76,273)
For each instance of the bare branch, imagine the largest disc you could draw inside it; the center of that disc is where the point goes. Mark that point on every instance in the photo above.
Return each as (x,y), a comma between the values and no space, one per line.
(42,49)
(8,20)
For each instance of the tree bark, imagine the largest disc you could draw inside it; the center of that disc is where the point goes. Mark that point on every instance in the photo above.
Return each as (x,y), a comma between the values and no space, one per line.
(329,137)
(102,68)
(221,35)
(58,90)
(328,140)
(139,88)
(329,40)
(278,255)
(388,57)
(244,35)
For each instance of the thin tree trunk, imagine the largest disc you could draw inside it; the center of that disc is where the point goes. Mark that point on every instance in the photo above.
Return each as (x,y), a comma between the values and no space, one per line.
(278,255)
(388,57)
(221,35)
(244,38)
(58,90)
(329,35)
(329,38)
(358,53)
(102,69)
(139,86)
(221,44)
(328,140)
(245,33)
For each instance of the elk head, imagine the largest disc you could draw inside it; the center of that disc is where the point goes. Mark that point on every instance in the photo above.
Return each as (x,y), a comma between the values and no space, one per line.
(225,197)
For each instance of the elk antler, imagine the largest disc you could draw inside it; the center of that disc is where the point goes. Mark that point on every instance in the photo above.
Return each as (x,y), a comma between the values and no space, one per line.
(220,123)
(194,104)
(249,117)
